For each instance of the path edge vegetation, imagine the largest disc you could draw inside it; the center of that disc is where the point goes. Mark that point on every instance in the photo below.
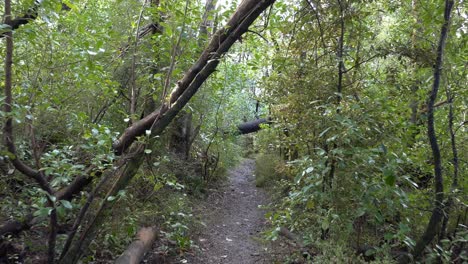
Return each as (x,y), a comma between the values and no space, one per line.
(143,133)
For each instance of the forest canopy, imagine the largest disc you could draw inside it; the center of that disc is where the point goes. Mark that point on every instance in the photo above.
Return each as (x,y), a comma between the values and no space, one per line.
(116,114)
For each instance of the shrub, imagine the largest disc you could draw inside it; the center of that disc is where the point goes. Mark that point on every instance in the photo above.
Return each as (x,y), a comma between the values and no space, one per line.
(266,171)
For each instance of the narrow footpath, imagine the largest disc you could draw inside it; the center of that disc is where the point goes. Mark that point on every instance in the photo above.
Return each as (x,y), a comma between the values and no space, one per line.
(233,222)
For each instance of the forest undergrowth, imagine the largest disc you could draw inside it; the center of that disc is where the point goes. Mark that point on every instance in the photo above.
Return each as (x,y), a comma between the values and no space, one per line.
(119,117)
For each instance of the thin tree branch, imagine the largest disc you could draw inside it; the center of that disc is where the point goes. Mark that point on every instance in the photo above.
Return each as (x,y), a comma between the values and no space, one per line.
(133,89)
(258,34)
(318,22)
(167,81)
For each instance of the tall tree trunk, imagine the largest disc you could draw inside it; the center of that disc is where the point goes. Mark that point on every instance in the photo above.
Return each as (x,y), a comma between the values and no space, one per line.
(339,95)
(437,212)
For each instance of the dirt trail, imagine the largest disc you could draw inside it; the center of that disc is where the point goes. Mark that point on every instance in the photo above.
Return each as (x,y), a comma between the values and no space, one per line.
(233,222)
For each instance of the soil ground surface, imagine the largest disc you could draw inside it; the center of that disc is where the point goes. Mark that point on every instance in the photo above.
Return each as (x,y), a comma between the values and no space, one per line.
(233,222)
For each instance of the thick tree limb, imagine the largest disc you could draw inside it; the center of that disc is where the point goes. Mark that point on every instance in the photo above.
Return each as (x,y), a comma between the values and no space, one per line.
(14,227)
(29,16)
(222,40)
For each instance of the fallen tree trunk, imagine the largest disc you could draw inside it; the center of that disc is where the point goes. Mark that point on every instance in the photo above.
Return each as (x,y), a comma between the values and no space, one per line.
(138,248)
(252,126)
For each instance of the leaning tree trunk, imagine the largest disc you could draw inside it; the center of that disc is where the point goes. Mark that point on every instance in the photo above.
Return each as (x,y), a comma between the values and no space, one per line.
(127,166)
(182,133)
(186,87)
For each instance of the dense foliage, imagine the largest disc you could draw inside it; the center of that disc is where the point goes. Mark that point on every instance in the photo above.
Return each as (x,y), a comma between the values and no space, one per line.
(347,155)
(348,85)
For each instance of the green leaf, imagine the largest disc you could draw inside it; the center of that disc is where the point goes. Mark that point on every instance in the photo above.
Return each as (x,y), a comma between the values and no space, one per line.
(61,211)
(390,180)
(52,198)
(390,177)
(388,236)
(325,131)
(66,204)
(148,151)
(4,28)
(43,212)
(360,212)
(370,252)
(70,5)
(325,225)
